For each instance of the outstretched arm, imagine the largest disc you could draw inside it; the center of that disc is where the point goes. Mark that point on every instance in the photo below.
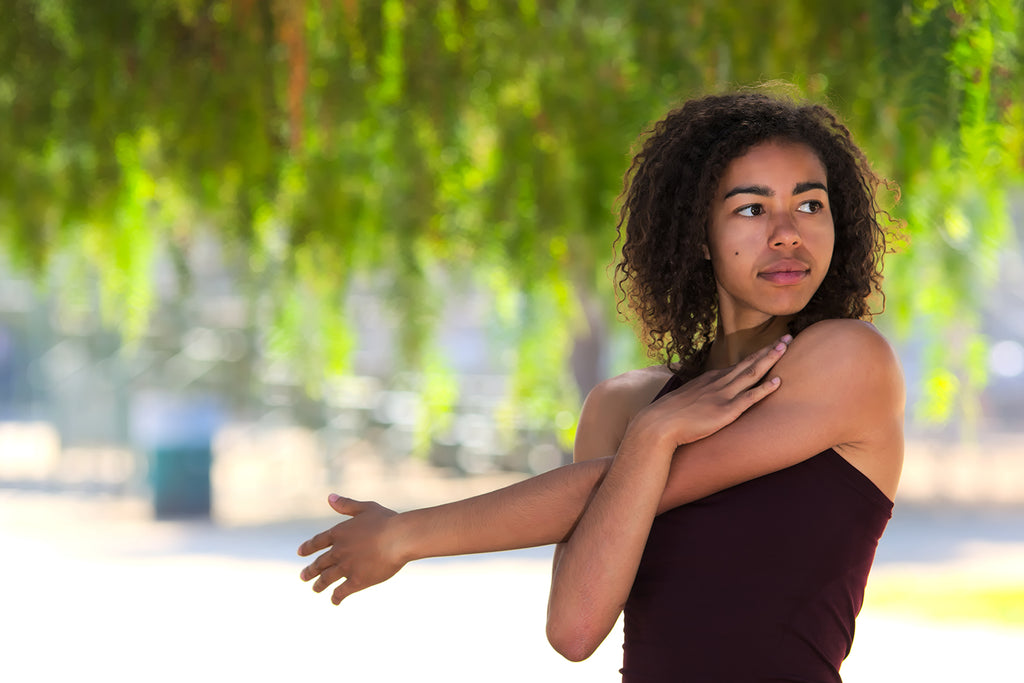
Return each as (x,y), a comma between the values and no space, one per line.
(373,545)
(376,542)
(791,425)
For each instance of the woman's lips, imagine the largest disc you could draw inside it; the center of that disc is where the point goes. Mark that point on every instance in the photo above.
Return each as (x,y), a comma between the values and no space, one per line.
(785,277)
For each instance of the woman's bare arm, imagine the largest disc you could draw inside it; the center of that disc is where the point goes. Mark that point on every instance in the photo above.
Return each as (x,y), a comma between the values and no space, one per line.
(376,542)
(597,566)
(606,414)
(841,386)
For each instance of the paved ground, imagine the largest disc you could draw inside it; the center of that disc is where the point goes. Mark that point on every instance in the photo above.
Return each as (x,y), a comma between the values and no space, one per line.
(92,590)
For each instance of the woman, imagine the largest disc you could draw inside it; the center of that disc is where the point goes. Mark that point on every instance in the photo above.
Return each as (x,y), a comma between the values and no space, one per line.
(731,499)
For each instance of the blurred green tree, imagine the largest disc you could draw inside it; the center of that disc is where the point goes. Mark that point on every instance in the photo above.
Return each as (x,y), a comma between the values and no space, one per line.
(480,141)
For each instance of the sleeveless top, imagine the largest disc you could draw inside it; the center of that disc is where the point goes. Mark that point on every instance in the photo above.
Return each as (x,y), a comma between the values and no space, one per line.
(759,582)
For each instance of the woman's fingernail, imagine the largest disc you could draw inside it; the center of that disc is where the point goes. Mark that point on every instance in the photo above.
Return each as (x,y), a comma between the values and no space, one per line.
(787,338)
(780,346)
(333,497)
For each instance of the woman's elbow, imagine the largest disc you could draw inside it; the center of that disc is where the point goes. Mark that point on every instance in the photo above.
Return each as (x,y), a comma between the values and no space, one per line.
(572,641)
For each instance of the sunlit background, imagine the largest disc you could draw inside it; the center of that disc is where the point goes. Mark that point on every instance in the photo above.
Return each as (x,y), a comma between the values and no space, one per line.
(255,251)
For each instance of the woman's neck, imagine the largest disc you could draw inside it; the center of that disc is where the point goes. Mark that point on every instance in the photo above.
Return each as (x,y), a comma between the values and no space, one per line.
(732,346)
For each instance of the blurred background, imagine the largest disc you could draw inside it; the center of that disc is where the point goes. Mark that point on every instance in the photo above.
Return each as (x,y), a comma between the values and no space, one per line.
(254,251)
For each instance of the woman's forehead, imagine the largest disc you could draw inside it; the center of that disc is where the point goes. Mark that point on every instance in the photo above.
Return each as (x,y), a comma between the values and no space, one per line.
(774,162)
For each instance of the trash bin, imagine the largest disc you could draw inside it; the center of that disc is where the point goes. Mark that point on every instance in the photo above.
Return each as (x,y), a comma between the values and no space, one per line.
(176,435)
(179,477)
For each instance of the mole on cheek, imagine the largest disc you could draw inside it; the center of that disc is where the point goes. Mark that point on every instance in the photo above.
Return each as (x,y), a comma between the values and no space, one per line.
(737,253)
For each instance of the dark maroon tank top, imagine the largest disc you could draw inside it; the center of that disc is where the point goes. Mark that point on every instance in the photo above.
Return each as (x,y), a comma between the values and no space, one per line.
(759,582)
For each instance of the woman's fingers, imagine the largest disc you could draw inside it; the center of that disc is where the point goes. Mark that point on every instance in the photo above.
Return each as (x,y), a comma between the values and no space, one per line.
(357,549)
(316,544)
(313,569)
(327,577)
(751,369)
(341,505)
(346,589)
(348,506)
(755,394)
(717,398)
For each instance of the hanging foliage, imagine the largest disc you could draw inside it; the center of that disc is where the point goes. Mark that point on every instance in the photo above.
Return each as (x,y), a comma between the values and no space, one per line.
(328,140)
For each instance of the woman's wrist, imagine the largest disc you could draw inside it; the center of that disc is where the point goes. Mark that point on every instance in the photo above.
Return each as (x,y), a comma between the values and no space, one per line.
(649,437)
(432,532)
(402,540)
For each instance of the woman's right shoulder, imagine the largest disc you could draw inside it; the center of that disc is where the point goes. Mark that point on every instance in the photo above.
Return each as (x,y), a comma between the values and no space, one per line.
(633,387)
(611,405)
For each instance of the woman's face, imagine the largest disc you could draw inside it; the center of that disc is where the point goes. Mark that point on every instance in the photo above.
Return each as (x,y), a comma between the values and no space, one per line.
(770,234)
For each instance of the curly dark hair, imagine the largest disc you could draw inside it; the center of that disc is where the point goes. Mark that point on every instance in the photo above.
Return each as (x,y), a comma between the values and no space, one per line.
(663,275)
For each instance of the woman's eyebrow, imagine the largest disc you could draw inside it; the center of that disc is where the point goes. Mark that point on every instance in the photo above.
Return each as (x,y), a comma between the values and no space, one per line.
(762,191)
(759,190)
(807,187)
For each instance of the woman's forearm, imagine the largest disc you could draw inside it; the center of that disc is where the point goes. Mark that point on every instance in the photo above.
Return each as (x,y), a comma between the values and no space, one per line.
(375,542)
(537,511)
(595,570)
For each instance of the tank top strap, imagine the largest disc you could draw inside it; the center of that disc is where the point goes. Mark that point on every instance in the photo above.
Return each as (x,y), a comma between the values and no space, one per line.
(673,383)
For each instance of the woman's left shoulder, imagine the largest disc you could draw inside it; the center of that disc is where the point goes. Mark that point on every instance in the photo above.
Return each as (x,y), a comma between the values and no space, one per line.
(842,336)
(851,352)
(853,364)
(850,330)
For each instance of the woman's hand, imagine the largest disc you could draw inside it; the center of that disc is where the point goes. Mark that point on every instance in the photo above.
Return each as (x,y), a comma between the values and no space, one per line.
(712,400)
(360,550)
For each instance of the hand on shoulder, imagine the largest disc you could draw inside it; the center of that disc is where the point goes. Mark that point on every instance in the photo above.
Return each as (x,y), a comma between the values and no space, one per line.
(841,388)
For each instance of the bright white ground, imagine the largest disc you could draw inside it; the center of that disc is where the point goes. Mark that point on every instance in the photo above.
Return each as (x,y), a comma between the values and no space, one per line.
(93,591)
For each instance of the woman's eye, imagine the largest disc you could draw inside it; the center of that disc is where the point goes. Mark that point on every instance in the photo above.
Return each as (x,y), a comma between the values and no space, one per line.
(811,206)
(751,211)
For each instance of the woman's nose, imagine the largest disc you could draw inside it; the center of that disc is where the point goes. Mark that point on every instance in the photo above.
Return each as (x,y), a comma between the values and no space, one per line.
(784,232)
